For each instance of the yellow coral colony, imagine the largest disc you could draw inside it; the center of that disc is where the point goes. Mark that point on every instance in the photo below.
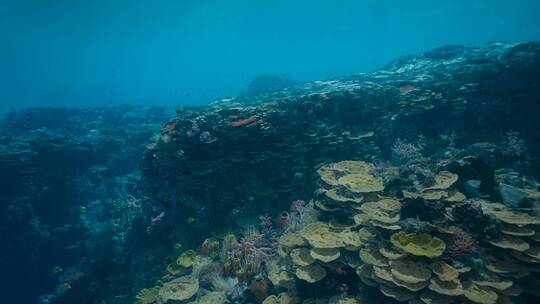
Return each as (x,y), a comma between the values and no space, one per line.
(179,289)
(360,226)
(419,244)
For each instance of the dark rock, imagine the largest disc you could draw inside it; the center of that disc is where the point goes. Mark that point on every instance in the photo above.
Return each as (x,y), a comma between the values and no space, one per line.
(472,187)
(65,175)
(476,221)
(428,211)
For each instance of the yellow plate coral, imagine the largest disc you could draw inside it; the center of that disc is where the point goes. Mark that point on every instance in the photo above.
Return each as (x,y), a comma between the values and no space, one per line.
(419,244)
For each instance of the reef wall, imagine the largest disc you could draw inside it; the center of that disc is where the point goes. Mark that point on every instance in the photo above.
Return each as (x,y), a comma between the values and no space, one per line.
(238,157)
(66,179)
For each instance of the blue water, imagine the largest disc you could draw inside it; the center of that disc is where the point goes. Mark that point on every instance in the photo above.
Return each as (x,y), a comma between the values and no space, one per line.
(80,53)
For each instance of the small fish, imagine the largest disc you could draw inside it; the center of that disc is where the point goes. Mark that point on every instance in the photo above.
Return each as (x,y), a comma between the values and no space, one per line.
(63,288)
(55,270)
(180,152)
(155,220)
(190,220)
(406,89)
(73,246)
(82,209)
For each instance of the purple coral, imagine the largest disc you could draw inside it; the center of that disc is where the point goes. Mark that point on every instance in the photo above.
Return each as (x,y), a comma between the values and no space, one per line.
(209,272)
(267,240)
(299,206)
(296,219)
(259,246)
(269,235)
(461,243)
(253,252)
(406,151)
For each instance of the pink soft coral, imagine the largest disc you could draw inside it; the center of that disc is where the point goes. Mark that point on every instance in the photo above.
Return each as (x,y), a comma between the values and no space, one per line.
(258,246)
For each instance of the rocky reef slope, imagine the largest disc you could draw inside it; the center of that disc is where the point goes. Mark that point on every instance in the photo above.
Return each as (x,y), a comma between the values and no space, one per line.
(66,178)
(243,156)
(416,183)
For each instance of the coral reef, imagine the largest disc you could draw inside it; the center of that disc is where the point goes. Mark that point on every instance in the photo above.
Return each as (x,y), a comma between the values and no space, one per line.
(350,242)
(416,183)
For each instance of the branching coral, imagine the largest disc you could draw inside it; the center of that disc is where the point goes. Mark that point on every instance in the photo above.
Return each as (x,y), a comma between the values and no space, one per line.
(297,218)
(246,257)
(407,152)
(269,236)
(257,247)
(461,243)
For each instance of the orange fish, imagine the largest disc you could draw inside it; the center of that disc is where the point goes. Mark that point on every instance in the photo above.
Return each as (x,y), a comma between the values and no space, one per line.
(243,122)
